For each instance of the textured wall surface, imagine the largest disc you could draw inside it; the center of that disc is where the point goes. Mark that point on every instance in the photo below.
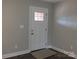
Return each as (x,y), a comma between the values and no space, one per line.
(65,22)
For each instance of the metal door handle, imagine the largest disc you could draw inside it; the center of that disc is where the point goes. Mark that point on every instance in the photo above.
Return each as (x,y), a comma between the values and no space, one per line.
(32,33)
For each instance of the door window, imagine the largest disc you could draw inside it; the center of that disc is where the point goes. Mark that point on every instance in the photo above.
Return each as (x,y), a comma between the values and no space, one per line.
(38,16)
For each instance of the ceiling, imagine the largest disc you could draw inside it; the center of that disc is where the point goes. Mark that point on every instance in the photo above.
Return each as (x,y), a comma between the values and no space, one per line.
(53,1)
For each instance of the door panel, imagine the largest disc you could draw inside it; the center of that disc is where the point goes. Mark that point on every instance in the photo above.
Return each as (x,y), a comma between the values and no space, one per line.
(38,25)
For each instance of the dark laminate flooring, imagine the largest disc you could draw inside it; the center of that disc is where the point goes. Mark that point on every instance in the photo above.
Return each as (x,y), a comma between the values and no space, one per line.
(24,56)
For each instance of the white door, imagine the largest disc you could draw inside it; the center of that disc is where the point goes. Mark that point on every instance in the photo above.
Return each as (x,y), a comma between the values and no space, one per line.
(38,28)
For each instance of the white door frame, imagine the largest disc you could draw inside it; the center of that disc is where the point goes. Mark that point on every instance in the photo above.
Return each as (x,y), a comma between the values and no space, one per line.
(46,10)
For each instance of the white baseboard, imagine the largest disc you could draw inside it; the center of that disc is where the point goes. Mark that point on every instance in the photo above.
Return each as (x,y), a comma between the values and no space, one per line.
(27,51)
(15,54)
(71,54)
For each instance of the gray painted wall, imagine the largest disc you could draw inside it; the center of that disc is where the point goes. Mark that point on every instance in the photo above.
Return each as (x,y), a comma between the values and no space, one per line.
(64,30)
(16,13)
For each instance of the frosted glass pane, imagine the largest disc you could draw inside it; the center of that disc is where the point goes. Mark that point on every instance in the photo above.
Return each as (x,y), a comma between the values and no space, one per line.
(39,16)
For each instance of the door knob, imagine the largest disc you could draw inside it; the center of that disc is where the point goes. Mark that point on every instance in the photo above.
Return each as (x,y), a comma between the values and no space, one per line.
(32,33)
